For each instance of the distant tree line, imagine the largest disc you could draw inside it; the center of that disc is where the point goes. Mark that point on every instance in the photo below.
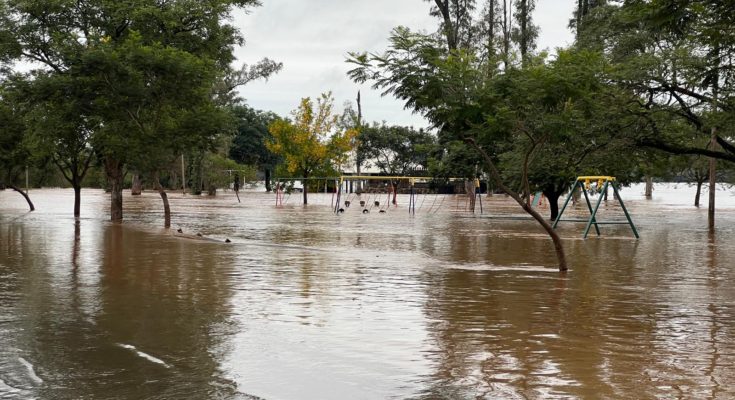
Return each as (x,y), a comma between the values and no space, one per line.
(129,89)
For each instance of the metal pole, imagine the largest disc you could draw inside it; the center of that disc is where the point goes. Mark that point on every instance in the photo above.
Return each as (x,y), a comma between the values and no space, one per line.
(625,210)
(183,175)
(410,200)
(566,202)
(594,213)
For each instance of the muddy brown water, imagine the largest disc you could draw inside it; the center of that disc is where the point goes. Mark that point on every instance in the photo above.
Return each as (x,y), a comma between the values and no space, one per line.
(304,304)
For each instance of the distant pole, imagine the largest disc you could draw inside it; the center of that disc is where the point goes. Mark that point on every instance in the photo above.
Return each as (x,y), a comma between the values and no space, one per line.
(713,147)
(26,179)
(357,143)
(183,175)
(712,184)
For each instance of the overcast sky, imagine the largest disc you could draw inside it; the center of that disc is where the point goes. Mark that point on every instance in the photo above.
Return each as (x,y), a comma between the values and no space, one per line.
(312,39)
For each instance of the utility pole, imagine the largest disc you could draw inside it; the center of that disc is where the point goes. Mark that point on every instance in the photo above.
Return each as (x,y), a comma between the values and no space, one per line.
(358,161)
(183,175)
(713,147)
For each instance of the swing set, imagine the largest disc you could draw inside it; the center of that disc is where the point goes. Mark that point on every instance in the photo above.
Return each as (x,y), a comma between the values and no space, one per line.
(392,191)
(584,183)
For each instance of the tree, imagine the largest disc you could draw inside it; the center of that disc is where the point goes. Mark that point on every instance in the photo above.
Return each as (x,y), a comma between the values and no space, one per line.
(395,150)
(14,152)
(61,126)
(249,144)
(676,59)
(452,91)
(526,32)
(455,21)
(144,63)
(221,172)
(311,141)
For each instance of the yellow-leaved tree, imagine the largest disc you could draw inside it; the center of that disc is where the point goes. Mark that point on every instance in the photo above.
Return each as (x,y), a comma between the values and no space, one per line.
(312,141)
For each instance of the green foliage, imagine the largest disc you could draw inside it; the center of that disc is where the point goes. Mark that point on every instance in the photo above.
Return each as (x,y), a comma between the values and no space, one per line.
(249,144)
(220,172)
(14,152)
(395,150)
(675,60)
(140,80)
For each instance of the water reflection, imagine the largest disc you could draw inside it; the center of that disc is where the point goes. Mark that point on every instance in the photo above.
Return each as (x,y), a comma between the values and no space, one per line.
(440,305)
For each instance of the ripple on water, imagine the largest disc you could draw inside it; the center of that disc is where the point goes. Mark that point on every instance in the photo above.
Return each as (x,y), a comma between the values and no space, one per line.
(379,306)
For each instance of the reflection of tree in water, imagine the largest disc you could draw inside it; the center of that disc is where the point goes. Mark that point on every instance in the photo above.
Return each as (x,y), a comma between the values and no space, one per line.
(717,376)
(531,334)
(166,297)
(16,322)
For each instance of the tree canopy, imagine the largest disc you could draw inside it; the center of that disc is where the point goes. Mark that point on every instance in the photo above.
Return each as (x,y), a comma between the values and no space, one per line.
(146,72)
(311,141)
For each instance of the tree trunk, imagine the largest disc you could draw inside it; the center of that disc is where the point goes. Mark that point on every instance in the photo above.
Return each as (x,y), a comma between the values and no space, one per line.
(77,199)
(713,145)
(506,34)
(449,27)
(469,188)
(712,184)
(305,185)
(576,194)
(268,187)
(25,195)
(137,187)
(649,187)
(553,198)
(524,31)
(495,175)
(166,206)
(699,193)
(394,188)
(114,171)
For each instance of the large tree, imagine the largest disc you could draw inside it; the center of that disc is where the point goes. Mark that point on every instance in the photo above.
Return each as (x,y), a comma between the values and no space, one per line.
(60,125)
(675,57)
(14,150)
(519,120)
(395,150)
(311,141)
(144,63)
(249,144)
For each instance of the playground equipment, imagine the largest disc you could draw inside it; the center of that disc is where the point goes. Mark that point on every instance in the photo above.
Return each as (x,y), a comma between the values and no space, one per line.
(380,193)
(602,184)
(392,191)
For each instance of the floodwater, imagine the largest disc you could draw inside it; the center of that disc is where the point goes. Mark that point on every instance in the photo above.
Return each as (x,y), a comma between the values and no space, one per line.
(306,304)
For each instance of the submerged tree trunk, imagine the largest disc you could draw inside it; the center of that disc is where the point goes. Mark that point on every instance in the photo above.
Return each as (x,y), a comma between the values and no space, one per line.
(649,187)
(137,186)
(268,187)
(552,196)
(495,175)
(166,206)
(77,199)
(698,195)
(114,171)
(305,185)
(25,195)
(469,188)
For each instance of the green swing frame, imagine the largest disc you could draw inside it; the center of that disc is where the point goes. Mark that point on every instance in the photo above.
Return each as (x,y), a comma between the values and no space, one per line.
(583,182)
